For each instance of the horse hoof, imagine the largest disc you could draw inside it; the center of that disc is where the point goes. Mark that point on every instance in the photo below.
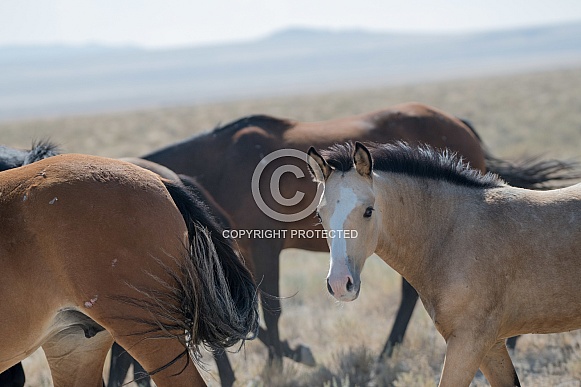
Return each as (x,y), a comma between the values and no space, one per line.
(306,356)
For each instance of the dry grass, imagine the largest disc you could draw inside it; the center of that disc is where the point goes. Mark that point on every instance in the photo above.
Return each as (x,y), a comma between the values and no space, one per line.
(534,113)
(514,114)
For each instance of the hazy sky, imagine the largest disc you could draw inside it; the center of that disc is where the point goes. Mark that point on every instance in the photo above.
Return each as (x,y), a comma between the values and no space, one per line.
(158,23)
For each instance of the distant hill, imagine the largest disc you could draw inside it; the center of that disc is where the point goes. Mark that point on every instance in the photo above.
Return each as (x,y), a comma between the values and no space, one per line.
(53,80)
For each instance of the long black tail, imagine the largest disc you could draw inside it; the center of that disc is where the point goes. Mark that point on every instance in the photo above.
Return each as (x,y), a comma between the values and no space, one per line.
(223,219)
(532,172)
(218,287)
(210,300)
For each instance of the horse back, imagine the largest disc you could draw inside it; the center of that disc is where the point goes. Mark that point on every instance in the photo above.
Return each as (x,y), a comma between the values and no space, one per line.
(57,209)
(413,122)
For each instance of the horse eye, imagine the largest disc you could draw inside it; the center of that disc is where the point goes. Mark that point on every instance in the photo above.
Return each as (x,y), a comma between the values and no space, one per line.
(318,216)
(368,212)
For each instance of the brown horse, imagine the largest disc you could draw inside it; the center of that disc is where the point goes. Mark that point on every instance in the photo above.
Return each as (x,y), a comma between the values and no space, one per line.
(120,359)
(96,250)
(13,158)
(489,261)
(224,160)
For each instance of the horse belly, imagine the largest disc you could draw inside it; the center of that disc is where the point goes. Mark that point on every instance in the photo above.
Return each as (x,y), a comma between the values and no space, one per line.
(548,306)
(542,324)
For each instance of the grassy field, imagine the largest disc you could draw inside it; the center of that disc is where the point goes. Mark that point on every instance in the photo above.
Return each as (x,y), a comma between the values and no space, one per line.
(515,115)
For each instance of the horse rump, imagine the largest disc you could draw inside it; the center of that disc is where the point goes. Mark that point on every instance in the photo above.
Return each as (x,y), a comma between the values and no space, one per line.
(210,299)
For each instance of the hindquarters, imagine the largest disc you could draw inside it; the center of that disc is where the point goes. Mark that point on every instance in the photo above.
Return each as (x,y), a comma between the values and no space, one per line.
(227,309)
(205,296)
(418,124)
(154,273)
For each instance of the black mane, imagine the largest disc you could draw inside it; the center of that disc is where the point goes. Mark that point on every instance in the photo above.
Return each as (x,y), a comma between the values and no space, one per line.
(422,161)
(259,120)
(13,158)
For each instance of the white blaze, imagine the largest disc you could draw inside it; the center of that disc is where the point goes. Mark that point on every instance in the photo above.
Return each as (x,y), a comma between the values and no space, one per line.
(338,270)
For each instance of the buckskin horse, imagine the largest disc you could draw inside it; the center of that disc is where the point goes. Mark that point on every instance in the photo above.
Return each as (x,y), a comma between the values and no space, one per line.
(489,261)
(223,161)
(96,250)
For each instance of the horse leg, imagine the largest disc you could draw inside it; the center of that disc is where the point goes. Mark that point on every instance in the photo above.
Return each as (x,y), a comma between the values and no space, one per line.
(225,371)
(511,342)
(141,376)
(13,376)
(498,368)
(120,362)
(301,354)
(464,354)
(267,266)
(164,359)
(162,355)
(76,360)
(409,297)
(267,273)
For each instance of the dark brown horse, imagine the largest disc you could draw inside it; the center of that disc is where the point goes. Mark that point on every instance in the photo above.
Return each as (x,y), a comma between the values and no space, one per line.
(224,162)
(96,250)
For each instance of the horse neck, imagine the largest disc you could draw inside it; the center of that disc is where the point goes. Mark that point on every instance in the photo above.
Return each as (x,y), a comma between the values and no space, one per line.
(192,157)
(418,217)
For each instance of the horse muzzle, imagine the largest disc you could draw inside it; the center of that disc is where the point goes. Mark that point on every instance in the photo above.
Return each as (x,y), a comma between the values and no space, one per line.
(343,287)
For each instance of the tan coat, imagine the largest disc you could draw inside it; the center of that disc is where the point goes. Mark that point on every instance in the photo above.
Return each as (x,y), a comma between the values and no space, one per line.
(489,261)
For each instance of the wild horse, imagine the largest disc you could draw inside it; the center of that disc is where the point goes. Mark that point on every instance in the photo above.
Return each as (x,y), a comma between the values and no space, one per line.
(12,158)
(489,261)
(120,360)
(75,228)
(224,161)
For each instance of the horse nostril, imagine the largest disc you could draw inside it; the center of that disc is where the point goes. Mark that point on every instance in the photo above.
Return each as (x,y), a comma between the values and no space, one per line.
(329,287)
(349,285)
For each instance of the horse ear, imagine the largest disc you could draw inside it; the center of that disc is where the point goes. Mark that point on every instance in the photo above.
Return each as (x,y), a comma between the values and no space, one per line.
(362,160)
(318,167)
